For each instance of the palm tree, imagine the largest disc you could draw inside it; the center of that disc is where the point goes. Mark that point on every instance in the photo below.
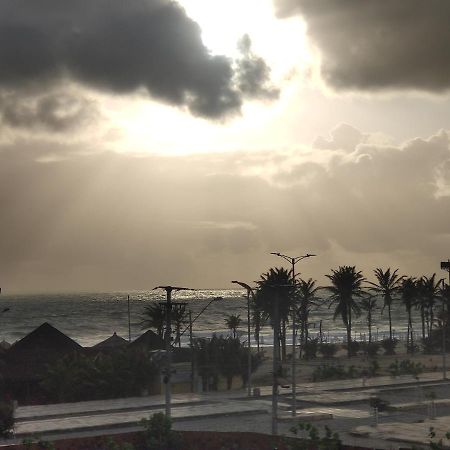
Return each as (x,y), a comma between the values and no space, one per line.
(305,298)
(429,293)
(369,305)
(346,287)
(180,318)
(274,298)
(388,285)
(409,291)
(154,317)
(258,320)
(233,322)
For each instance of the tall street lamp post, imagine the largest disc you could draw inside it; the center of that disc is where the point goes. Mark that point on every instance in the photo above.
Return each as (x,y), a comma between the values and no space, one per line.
(129,319)
(168,305)
(249,356)
(293,260)
(445,265)
(276,364)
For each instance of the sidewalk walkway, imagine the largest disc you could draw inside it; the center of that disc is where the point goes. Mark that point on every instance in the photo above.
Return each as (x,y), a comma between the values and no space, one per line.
(128,411)
(414,433)
(109,419)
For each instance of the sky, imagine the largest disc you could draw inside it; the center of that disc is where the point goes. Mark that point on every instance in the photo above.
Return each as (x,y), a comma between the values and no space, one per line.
(155,142)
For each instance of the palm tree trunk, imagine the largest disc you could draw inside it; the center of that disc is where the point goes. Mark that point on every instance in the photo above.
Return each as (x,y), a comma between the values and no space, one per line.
(306,326)
(306,333)
(349,334)
(411,331)
(257,338)
(369,323)
(283,340)
(422,316)
(408,330)
(431,320)
(349,340)
(390,321)
(302,337)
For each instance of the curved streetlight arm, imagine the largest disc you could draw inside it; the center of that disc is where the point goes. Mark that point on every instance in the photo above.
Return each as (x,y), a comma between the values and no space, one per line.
(245,286)
(173,288)
(292,259)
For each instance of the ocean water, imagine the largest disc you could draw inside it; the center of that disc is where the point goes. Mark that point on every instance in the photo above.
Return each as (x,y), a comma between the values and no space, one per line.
(89,318)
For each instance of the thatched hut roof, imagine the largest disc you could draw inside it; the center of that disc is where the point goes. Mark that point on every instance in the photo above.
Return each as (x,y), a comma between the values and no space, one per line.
(4,345)
(111,343)
(149,341)
(45,338)
(29,357)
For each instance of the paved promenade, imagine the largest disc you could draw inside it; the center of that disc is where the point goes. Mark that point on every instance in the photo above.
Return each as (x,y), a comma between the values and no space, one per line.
(414,433)
(109,419)
(335,400)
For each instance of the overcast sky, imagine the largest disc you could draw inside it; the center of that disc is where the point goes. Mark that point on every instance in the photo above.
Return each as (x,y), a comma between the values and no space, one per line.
(149,142)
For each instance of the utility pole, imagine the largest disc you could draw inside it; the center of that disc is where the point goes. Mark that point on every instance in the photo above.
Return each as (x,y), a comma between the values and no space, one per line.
(191,344)
(249,356)
(168,305)
(293,260)
(445,265)
(275,367)
(129,321)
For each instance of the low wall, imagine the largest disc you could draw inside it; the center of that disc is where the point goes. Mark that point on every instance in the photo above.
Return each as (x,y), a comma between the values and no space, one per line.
(193,440)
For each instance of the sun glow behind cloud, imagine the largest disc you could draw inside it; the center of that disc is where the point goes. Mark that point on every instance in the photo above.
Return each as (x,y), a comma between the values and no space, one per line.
(281,42)
(147,126)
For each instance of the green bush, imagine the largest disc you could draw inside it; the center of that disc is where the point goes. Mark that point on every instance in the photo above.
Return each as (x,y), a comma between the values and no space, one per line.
(437,445)
(431,345)
(310,437)
(374,368)
(111,444)
(389,346)
(76,377)
(353,347)
(328,350)
(406,367)
(371,348)
(6,418)
(311,347)
(159,434)
(412,348)
(338,372)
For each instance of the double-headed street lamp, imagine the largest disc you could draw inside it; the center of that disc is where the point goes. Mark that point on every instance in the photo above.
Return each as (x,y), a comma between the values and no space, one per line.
(249,361)
(445,265)
(168,305)
(293,260)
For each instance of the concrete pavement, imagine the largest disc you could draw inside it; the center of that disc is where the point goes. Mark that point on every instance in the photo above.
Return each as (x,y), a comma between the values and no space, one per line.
(325,399)
(414,433)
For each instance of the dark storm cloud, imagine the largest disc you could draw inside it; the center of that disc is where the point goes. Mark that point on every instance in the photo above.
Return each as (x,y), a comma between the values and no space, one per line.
(116,46)
(53,112)
(374,45)
(253,74)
